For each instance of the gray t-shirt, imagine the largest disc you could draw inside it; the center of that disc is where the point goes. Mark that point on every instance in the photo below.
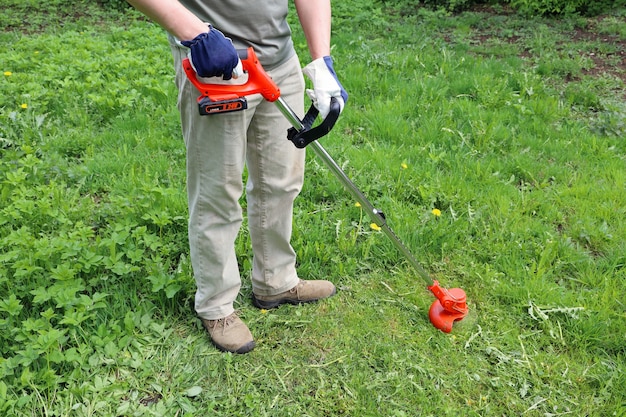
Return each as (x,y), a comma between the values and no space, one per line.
(260,24)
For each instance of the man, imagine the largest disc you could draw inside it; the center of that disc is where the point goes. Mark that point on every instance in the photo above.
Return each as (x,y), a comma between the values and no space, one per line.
(218,146)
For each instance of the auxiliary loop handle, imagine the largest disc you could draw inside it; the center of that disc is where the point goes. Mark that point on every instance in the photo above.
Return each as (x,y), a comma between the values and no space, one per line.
(307,135)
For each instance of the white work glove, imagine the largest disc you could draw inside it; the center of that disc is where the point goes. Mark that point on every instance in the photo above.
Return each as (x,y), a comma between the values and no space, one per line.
(325,85)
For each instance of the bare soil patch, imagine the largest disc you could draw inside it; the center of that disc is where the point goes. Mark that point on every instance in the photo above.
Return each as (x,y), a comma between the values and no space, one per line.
(606,51)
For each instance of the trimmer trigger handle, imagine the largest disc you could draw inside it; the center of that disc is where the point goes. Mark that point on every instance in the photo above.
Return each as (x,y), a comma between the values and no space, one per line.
(220,97)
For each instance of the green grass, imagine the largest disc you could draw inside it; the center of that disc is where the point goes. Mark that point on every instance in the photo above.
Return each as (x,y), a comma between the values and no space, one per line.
(504,124)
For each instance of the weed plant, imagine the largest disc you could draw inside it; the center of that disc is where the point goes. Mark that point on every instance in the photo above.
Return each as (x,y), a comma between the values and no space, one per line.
(495,151)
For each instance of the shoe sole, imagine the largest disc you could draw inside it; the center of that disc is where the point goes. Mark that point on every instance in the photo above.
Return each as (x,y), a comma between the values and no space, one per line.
(244,349)
(268,305)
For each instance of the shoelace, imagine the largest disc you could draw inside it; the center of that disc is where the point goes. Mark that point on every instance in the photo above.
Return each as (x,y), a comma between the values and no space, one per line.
(296,290)
(226,321)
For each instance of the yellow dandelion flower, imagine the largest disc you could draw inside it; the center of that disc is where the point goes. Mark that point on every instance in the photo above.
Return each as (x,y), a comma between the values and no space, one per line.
(436,212)
(374,226)
(357,204)
(8,73)
(263,311)
(404,166)
(24,106)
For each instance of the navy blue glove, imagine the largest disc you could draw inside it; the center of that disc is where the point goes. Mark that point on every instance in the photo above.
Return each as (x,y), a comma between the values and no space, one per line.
(212,54)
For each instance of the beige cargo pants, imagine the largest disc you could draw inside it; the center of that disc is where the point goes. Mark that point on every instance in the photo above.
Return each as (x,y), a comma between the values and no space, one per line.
(218,147)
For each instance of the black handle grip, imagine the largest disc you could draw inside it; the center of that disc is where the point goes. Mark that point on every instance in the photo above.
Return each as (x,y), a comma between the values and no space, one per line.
(301,138)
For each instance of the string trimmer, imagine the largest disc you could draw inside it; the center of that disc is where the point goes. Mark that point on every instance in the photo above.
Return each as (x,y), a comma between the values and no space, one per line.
(450,305)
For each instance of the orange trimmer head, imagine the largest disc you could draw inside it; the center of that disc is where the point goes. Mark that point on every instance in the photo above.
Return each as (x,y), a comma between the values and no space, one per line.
(450,306)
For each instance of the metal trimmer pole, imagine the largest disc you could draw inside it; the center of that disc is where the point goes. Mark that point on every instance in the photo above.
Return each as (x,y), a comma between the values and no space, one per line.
(289,114)
(376,215)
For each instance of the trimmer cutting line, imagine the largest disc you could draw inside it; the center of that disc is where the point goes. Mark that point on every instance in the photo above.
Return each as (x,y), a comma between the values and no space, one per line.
(450,305)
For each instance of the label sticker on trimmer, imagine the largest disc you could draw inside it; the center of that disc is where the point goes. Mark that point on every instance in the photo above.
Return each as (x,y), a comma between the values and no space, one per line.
(208,107)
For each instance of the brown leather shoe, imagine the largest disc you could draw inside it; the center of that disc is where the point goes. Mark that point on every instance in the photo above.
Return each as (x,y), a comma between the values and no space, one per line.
(230,334)
(304,292)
